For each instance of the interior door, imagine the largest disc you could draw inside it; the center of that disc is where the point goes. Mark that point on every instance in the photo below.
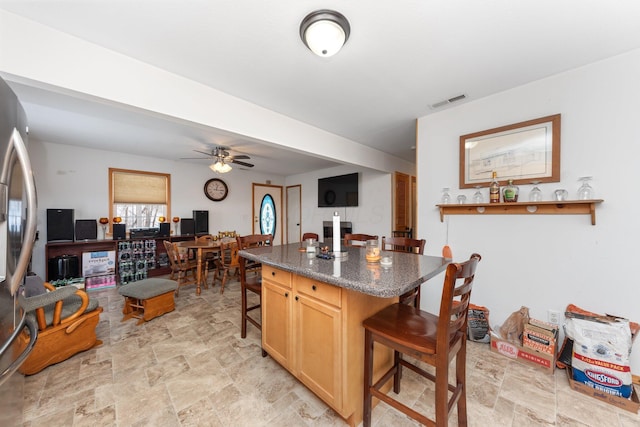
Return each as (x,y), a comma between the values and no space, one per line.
(294,194)
(267,211)
(402,196)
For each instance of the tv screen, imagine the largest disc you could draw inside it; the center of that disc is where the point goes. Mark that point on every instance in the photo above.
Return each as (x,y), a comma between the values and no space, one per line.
(338,191)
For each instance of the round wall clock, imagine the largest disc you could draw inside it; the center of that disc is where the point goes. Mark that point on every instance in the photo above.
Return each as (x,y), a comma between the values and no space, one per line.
(216,189)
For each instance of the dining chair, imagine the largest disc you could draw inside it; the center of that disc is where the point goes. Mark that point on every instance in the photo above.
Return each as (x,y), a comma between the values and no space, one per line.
(228,260)
(351,238)
(306,236)
(209,259)
(407,232)
(405,244)
(434,340)
(251,282)
(181,265)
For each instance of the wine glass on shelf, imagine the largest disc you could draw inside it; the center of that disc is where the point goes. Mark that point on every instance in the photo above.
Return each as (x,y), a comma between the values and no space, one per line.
(103,224)
(585,192)
(535,195)
(446,196)
(477,196)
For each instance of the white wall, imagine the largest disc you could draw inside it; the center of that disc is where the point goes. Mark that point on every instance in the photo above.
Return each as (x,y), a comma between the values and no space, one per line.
(76,178)
(547,262)
(373,214)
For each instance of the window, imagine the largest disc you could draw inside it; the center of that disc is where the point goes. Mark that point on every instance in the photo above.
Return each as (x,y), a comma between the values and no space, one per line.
(139,198)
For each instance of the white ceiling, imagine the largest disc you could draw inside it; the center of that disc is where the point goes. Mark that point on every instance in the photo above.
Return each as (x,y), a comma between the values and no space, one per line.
(401,58)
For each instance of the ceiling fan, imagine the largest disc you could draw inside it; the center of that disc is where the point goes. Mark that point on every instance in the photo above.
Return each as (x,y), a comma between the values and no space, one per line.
(221,159)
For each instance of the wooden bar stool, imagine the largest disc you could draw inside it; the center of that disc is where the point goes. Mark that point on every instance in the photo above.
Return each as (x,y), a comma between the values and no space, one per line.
(431,339)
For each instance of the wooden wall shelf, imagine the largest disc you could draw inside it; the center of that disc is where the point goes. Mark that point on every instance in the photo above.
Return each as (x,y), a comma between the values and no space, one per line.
(568,207)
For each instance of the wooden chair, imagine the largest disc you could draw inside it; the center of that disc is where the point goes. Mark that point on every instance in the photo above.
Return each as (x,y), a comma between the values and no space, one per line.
(434,340)
(306,236)
(407,232)
(405,244)
(181,266)
(350,238)
(66,319)
(248,282)
(228,260)
(209,261)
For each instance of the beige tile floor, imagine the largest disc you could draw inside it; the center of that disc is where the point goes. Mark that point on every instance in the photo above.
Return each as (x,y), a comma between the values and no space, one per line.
(191,368)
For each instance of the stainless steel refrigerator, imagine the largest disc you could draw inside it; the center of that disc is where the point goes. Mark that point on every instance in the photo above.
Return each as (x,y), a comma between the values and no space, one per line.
(17,237)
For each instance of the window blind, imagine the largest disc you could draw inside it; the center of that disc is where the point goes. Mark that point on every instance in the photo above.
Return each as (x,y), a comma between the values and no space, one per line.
(140,187)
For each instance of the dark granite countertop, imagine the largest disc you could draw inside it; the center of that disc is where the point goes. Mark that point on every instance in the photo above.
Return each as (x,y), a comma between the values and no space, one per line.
(353,271)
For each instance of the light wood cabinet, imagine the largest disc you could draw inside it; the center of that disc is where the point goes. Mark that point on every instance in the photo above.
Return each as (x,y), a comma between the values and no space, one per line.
(318,339)
(314,330)
(276,315)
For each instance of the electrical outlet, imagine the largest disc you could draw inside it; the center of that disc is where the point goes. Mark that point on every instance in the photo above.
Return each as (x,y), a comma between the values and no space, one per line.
(553,316)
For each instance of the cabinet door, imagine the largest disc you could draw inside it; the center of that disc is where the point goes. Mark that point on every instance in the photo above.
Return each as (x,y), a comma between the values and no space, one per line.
(276,322)
(318,348)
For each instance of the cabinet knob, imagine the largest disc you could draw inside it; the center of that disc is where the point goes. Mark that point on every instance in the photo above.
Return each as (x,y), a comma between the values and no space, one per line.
(313,287)
(296,298)
(286,294)
(273,273)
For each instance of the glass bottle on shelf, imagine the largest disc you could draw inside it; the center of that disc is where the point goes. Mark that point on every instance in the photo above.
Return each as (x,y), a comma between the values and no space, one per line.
(446,196)
(510,192)
(494,188)
(585,192)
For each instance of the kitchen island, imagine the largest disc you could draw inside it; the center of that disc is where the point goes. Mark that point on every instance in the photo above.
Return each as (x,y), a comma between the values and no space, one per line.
(312,313)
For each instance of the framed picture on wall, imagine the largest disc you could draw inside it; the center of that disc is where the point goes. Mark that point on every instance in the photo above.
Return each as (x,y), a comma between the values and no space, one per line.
(525,152)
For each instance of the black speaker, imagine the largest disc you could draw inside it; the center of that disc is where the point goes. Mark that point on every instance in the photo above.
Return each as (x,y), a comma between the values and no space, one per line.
(165,229)
(119,231)
(201,219)
(59,225)
(86,229)
(187,226)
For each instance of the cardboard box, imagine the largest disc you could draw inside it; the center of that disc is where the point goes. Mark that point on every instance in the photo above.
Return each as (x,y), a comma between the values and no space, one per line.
(540,336)
(527,356)
(631,405)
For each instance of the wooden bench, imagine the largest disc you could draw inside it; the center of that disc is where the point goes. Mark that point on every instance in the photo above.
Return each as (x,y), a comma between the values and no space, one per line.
(148,298)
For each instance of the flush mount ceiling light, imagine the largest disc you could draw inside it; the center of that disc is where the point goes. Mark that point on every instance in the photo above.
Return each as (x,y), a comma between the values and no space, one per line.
(324,32)
(220,166)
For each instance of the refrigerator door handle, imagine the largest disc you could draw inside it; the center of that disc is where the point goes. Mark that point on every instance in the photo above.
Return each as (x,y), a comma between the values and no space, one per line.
(33,334)
(29,238)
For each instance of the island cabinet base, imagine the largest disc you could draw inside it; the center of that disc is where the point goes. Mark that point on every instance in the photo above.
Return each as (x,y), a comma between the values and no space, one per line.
(314,330)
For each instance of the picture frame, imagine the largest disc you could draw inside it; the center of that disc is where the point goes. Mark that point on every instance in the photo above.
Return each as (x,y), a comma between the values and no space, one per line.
(525,152)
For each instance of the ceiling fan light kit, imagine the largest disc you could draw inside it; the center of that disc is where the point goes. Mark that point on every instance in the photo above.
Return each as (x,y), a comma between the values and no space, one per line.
(220,166)
(324,32)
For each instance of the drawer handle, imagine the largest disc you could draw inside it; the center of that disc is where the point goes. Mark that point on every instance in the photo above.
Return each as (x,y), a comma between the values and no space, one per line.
(273,273)
(296,298)
(286,294)
(313,287)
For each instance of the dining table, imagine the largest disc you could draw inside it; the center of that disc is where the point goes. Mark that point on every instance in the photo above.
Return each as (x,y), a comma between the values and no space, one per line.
(201,249)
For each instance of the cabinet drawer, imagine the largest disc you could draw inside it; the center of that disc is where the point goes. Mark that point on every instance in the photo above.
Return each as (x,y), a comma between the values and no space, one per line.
(275,275)
(319,290)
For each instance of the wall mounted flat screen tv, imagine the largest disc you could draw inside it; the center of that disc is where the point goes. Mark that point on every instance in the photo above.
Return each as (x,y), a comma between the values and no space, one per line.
(338,191)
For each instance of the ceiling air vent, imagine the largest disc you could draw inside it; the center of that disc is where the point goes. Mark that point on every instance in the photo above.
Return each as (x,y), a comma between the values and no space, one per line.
(448,101)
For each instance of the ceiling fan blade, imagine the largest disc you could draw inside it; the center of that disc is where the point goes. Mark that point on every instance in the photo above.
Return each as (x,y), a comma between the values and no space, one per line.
(195,158)
(249,165)
(241,156)
(204,152)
